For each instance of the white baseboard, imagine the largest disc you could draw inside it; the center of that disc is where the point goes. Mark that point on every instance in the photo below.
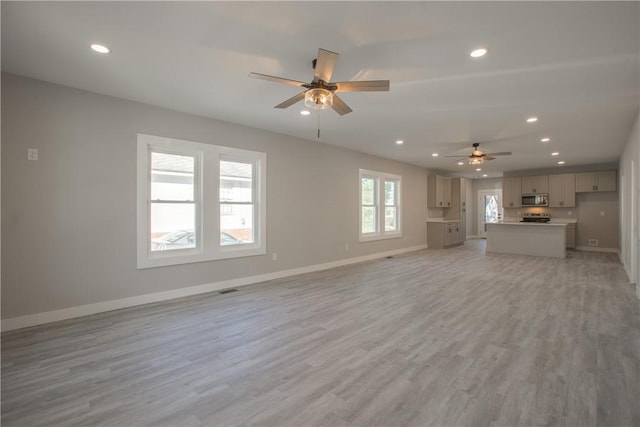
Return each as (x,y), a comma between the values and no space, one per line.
(100,307)
(596,249)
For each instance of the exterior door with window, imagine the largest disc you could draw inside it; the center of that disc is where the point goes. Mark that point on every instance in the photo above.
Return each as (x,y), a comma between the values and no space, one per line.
(489,208)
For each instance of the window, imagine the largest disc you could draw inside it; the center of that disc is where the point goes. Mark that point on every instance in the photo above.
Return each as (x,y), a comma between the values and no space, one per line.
(380,205)
(173,202)
(198,202)
(391,207)
(236,202)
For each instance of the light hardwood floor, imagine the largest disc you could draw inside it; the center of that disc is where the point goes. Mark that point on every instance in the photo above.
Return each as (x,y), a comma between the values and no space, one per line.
(432,338)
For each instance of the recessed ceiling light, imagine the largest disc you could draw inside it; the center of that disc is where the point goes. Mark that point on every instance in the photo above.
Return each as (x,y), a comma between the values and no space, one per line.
(305,112)
(561,162)
(478,169)
(478,53)
(532,119)
(545,140)
(484,175)
(435,155)
(460,163)
(100,48)
(555,153)
(399,142)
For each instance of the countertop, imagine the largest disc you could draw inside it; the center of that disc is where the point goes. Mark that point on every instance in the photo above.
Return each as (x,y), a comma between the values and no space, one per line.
(564,220)
(442,220)
(553,220)
(536,224)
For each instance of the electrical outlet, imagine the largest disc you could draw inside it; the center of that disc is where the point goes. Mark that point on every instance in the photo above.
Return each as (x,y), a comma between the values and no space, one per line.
(32,154)
(346,246)
(593,242)
(274,256)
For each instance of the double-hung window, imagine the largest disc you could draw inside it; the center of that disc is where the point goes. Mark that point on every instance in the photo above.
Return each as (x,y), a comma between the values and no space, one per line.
(237,197)
(198,202)
(380,205)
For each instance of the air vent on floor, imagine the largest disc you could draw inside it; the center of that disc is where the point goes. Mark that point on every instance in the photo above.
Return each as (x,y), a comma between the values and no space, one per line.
(227,291)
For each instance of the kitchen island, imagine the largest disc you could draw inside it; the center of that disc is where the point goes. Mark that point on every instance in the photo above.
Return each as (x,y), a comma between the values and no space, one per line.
(528,238)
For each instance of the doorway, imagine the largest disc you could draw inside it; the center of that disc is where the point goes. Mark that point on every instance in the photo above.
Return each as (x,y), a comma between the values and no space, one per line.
(489,209)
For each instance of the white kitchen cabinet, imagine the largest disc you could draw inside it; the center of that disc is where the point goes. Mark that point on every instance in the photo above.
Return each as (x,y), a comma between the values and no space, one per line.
(596,181)
(535,184)
(444,234)
(562,190)
(438,191)
(512,192)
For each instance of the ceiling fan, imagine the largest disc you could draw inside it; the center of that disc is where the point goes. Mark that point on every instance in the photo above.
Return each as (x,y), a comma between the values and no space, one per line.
(320,93)
(478,156)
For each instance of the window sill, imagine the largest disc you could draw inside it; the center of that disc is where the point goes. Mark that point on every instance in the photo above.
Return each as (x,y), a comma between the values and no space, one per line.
(374,237)
(190,256)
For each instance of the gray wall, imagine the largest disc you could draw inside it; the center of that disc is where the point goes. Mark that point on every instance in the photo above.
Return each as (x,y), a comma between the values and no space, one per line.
(69,219)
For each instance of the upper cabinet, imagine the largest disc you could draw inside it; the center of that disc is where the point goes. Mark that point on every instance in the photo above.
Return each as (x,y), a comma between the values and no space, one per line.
(458,200)
(438,191)
(562,190)
(535,184)
(512,192)
(596,181)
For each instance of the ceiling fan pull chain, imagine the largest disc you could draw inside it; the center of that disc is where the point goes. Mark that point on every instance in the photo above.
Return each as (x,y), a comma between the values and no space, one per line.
(318,124)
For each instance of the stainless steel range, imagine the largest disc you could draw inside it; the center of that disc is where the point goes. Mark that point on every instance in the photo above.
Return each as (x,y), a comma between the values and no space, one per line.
(536,217)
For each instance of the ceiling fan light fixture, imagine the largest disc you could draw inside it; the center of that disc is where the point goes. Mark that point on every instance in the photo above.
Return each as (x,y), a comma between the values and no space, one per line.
(318,99)
(478,53)
(476,161)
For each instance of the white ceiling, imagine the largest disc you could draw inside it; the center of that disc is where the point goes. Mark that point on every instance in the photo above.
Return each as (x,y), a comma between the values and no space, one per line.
(575,65)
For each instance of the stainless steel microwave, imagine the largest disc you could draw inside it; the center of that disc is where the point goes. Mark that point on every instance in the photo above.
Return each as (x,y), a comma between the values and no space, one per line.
(535,200)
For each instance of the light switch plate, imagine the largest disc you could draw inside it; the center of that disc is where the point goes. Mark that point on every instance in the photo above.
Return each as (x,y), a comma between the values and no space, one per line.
(32,154)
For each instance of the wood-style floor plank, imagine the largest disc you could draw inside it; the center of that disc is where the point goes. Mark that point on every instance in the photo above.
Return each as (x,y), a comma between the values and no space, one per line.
(431,338)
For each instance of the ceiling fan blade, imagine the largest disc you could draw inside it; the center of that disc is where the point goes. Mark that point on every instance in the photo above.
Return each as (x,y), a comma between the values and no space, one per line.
(277,79)
(339,106)
(289,102)
(363,86)
(325,63)
(488,158)
(504,153)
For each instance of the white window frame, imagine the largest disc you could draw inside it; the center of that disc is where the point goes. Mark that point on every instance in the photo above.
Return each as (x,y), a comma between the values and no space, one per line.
(207,202)
(380,178)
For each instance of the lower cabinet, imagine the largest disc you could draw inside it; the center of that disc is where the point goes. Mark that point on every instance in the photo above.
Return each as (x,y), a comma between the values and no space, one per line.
(571,235)
(442,235)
